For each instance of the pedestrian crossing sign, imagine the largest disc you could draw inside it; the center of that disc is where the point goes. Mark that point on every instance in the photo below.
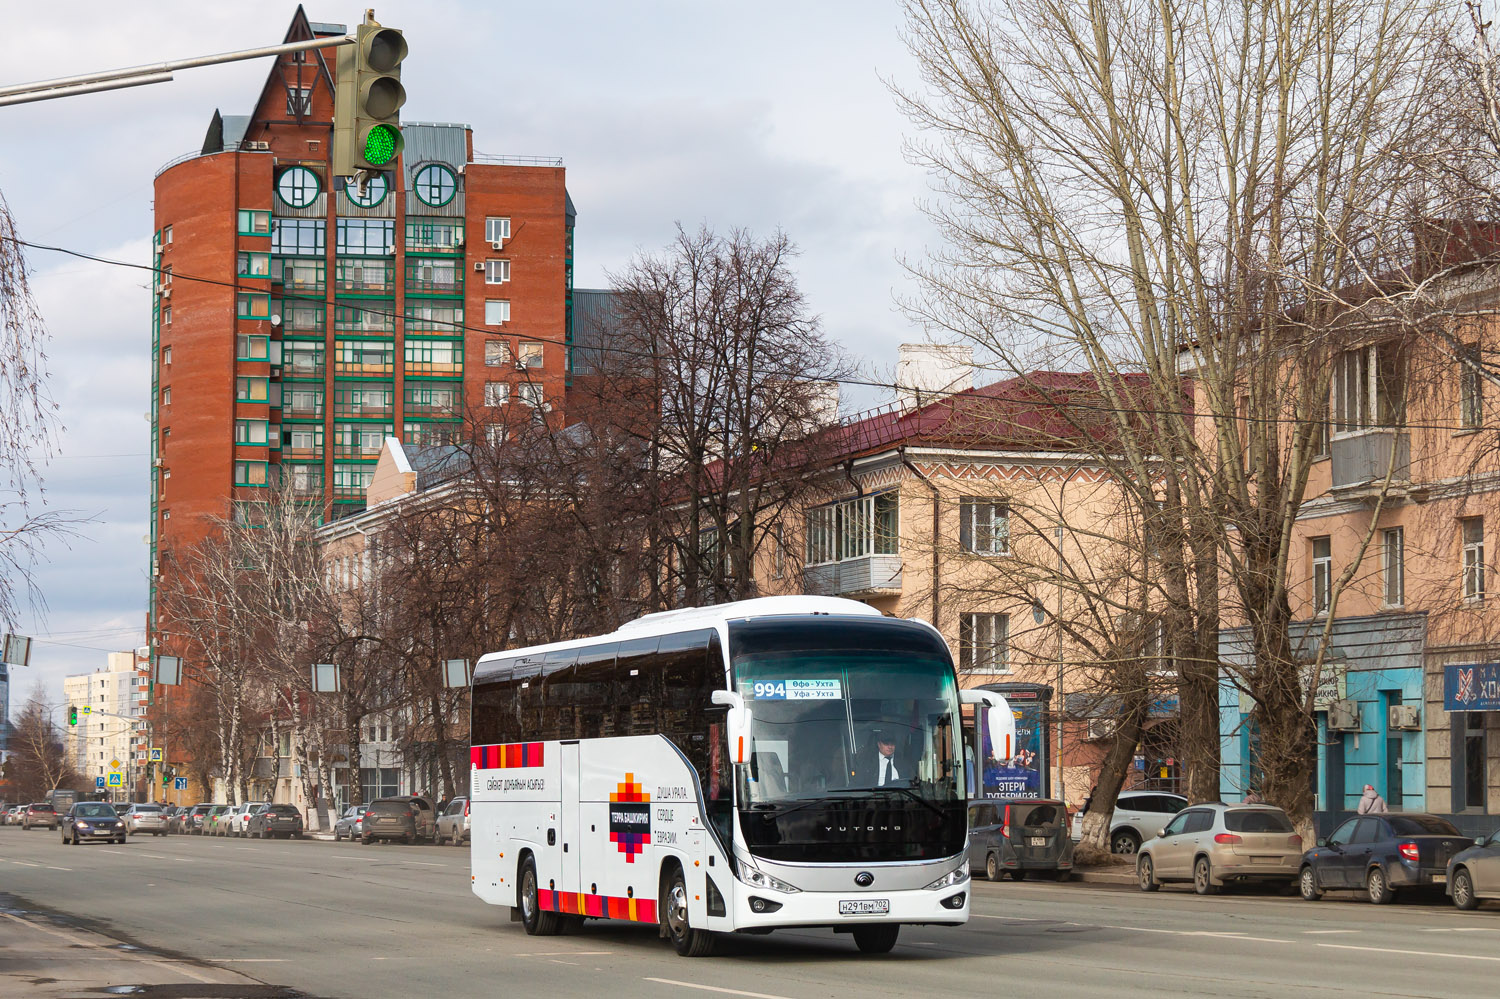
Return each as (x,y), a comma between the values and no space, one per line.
(115,780)
(156,756)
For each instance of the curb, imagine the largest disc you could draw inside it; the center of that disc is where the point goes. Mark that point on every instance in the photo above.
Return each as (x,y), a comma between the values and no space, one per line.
(1104,877)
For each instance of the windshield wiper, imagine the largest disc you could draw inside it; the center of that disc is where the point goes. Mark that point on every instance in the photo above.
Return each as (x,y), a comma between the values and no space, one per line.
(899,789)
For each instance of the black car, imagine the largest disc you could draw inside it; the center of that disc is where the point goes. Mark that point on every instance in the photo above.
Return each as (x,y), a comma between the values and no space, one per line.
(1382,854)
(195,817)
(275,820)
(92,820)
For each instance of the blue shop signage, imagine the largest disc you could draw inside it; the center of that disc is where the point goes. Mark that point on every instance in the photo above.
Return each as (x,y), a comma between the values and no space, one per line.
(1471,688)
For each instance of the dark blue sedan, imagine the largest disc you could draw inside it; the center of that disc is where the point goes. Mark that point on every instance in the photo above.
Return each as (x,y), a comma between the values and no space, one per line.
(1381,855)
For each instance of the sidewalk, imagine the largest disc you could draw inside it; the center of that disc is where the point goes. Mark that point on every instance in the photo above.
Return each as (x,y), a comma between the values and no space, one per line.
(46,958)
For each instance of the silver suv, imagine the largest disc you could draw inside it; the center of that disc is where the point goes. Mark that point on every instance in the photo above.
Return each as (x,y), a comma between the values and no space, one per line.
(1137,817)
(453,824)
(1214,844)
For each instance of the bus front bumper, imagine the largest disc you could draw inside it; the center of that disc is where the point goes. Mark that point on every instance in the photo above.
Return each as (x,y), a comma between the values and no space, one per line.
(759,909)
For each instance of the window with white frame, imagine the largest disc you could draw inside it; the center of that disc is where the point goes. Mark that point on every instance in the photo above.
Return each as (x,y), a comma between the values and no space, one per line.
(496,393)
(1368,388)
(496,271)
(299,100)
(496,230)
(496,311)
(853,528)
(983,643)
(985,526)
(1322,566)
(1393,558)
(531,394)
(531,355)
(1470,388)
(1473,564)
(496,354)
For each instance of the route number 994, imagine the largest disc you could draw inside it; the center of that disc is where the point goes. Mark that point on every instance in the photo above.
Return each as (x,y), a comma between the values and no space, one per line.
(769,690)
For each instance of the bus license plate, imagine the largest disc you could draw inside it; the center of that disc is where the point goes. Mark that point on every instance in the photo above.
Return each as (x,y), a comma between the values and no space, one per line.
(865,907)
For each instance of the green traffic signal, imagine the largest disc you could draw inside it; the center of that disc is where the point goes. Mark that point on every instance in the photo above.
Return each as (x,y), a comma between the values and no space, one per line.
(382,143)
(367,101)
(72,716)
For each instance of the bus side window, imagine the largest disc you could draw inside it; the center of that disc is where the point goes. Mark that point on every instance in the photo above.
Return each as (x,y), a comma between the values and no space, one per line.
(493,718)
(681,695)
(556,718)
(595,692)
(635,670)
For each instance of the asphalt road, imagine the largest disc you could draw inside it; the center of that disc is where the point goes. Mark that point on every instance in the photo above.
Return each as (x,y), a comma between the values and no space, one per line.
(342,920)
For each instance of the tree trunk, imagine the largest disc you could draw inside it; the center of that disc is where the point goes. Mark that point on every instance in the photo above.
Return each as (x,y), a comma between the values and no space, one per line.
(1112,773)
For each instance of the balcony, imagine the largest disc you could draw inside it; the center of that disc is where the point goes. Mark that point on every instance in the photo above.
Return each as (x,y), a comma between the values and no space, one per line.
(1362,458)
(868,575)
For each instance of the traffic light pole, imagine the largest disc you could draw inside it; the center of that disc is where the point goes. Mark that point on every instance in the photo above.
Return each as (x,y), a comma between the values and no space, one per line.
(137,76)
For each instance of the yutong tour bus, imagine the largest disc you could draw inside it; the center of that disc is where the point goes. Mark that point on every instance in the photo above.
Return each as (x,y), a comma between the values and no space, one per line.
(785,761)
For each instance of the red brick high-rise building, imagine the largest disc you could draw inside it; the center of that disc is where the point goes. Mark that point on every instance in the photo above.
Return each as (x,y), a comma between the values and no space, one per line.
(297,323)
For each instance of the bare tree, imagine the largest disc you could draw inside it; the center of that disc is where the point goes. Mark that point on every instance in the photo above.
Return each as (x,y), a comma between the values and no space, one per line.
(38,760)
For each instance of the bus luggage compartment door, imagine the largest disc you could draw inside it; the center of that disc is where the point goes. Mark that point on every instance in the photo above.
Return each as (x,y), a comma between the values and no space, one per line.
(570,842)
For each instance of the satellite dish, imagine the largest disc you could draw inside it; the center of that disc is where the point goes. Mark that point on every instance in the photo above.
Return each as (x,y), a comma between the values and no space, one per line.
(275,319)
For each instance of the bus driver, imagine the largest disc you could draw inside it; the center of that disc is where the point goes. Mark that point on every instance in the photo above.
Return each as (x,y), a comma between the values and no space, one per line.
(878,765)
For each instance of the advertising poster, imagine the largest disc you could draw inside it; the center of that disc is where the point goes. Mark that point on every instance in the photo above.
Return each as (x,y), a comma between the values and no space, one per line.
(1022,774)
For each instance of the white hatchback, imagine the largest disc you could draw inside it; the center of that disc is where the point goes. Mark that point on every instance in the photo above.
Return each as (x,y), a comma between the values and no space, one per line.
(1139,815)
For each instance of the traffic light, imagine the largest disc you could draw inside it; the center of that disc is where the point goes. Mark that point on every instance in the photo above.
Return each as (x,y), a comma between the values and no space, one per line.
(367,102)
(73,716)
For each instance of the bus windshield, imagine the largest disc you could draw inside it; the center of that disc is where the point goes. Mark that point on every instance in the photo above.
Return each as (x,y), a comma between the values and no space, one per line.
(849,722)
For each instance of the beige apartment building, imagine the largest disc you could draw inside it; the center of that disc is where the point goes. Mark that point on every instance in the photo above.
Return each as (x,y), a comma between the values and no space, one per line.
(114,726)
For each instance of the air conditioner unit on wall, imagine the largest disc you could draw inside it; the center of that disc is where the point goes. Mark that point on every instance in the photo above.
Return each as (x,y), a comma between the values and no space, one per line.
(1343,716)
(1101,728)
(498,244)
(258,144)
(479,265)
(1403,716)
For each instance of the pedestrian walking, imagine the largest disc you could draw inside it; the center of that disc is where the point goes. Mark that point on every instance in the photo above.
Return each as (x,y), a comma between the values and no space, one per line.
(1371,803)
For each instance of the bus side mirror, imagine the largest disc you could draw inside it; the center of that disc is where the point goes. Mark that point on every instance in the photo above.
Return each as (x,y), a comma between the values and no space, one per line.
(1000,720)
(738,724)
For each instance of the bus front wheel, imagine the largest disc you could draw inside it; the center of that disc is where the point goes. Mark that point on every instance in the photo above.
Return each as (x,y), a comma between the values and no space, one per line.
(686,940)
(876,939)
(536,922)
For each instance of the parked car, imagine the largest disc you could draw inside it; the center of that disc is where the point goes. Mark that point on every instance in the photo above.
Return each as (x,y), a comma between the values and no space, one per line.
(351,825)
(145,817)
(215,816)
(173,815)
(1474,874)
(1137,817)
(39,813)
(407,818)
(453,824)
(276,820)
(92,820)
(13,815)
(1381,855)
(1214,844)
(197,817)
(1019,836)
(238,822)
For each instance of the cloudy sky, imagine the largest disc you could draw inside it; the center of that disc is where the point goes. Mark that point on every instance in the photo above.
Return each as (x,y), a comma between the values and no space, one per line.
(757,115)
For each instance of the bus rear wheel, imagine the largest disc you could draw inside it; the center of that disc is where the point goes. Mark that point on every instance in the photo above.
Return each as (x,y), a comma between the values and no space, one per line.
(876,939)
(536,922)
(686,940)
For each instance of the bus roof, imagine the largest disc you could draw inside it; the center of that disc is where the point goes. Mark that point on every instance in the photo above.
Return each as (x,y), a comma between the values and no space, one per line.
(694,618)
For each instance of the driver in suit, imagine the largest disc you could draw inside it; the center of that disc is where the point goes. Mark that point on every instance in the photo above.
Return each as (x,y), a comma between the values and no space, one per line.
(879,764)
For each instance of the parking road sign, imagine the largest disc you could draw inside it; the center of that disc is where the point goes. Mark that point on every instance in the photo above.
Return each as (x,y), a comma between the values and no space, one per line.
(99,781)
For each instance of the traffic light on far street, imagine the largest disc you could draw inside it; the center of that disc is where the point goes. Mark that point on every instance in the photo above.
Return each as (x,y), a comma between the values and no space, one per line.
(73,716)
(367,102)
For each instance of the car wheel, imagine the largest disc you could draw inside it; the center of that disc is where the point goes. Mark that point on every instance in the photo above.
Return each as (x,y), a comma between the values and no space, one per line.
(1307,884)
(686,940)
(1378,888)
(1125,841)
(536,922)
(1203,877)
(337,836)
(364,841)
(876,939)
(65,839)
(992,868)
(1463,889)
(1145,874)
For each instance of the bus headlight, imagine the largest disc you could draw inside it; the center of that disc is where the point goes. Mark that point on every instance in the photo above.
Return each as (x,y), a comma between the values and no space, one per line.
(760,879)
(957,876)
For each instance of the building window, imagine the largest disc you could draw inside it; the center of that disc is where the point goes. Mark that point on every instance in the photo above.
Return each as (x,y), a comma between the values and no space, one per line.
(496,311)
(531,355)
(351,481)
(251,389)
(298,187)
(298,101)
(496,230)
(854,528)
(166,316)
(252,432)
(1322,564)
(363,276)
(251,473)
(531,395)
(166,236)
(299,237)
(371,401)
(252,265)
(302,441)
(434,275)
(435,185)
(303,317)
(434,357)
(251,348)
(353,319)
(1470,388)
(1473,539)
(1474,792)
(496,354)
(496,271)
(983,643)
(431,433)
(428,235)
(431,399)
(252,306)
(252,222)
(360,440)
(1368,388)
(166,355)
(300,274)
(496,393)
(166,396)
(985,527)
(1394,553)
(364,357)
(365,237)
(166,277)
(375,191)
(434,317)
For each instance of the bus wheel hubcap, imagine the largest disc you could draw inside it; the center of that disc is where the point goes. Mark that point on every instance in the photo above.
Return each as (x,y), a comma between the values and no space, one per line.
(677,918)
(528,895)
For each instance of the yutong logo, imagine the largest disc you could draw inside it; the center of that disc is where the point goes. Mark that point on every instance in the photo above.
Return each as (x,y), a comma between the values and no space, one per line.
(629,818)
(892,828)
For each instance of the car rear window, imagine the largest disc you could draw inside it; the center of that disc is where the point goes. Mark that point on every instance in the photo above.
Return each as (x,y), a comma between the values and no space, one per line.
(1256,820)
(389,807)
(42,807)
(1039,815)
(283,810)
(147,808)
(1421,825)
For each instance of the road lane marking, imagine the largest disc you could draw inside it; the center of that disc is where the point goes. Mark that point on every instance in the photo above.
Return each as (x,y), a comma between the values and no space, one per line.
(246,960)
(713,988)
(84,942)
(422,863)
(51,868)
(1310,932)
(1460,929)
(351,856)
(1416,953)
(24,863)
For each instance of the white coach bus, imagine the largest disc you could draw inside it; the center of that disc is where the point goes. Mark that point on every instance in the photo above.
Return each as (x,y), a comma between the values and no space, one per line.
(778,762)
